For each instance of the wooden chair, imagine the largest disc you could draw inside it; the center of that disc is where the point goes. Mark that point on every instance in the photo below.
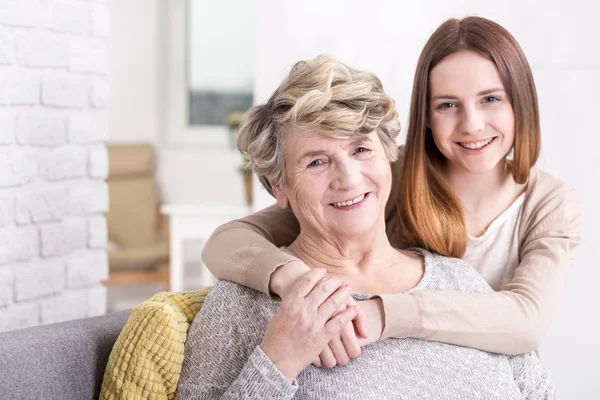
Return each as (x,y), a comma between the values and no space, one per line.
(139,248)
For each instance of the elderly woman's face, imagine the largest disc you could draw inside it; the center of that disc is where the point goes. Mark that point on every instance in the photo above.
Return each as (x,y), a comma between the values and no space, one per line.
(335,186)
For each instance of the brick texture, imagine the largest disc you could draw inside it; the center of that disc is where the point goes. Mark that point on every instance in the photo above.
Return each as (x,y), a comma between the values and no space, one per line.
(53,164)
(39,279)
(41,130)
(86,268)
(7,127)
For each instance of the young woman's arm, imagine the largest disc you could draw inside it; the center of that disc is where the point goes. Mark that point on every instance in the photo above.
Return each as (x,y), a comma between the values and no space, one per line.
(514,320)
(246,251)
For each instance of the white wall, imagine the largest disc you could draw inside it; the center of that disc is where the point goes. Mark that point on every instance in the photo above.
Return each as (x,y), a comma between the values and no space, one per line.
(221,37)
(139,80)
(53,161)
(135,71)
(558,37)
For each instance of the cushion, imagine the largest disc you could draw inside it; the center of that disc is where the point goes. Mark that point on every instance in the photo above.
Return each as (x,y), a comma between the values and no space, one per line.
(146,360)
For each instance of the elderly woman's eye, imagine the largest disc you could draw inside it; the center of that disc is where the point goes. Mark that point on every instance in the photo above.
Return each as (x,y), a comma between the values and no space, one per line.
(315,163)
(362,150)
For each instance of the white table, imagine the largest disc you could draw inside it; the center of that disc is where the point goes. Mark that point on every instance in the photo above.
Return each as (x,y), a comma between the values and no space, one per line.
(197,221)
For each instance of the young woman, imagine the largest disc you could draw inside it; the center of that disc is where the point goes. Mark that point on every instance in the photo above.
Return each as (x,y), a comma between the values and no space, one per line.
(465,186)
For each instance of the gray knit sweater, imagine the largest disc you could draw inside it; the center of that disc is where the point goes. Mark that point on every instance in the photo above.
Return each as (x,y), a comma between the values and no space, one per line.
(223,359)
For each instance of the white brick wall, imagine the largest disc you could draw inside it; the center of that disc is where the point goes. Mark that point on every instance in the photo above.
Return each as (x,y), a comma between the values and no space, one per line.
(64,306)
(99,93)
(43,130)
(86,128)
(17,166)
(86,268)
(7,127)
(97,233)
(7,280)
(23,315)
(6,46)
(19,87)
(63,238)
(41,205)
(53,160)
(98,162)
(63,162)
(65,90)
(73,18)
(46,277)
(25,13)
(7,209)
(42,49)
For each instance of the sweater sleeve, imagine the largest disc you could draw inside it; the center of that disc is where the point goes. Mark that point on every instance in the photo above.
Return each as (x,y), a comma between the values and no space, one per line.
(531,378)
(222,357)
(246,251)
(512,321)
(258,380)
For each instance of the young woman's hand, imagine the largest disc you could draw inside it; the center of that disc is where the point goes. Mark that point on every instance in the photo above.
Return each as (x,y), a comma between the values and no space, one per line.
(284,277)
(306,321)
(342,348)
(375,320)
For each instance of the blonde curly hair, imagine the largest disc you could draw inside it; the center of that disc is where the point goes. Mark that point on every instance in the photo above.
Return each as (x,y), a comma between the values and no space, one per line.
(320,95)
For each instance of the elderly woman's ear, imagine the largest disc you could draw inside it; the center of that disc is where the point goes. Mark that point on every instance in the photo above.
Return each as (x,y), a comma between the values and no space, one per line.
(280,195)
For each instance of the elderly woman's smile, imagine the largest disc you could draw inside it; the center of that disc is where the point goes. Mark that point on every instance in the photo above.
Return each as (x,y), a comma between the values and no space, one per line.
(349,204)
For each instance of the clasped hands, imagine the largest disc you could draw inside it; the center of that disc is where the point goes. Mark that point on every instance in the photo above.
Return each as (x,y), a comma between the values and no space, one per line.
(318,322)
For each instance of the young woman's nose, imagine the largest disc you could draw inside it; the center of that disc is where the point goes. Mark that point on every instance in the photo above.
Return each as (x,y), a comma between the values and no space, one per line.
(472,120)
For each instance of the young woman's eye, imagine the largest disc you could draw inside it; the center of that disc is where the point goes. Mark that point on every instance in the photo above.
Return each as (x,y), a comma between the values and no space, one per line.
(446,105)
(490,99)
(315,163)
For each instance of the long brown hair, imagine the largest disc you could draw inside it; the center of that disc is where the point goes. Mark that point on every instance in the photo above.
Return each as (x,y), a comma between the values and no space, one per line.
(430,214)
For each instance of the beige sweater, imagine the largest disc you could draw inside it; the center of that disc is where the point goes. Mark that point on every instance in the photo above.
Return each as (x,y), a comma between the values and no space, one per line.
(511,321)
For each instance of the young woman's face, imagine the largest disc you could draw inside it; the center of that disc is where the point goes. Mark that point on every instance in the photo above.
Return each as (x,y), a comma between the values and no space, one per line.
(469,113)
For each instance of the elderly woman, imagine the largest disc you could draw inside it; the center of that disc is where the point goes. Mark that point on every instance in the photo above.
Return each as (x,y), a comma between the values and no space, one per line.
(322,145)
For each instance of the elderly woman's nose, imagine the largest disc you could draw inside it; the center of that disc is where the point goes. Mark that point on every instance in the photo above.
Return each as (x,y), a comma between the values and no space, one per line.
(347,175)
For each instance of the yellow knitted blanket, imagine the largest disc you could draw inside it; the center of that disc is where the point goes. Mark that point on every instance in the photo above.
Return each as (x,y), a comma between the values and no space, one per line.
(146,360)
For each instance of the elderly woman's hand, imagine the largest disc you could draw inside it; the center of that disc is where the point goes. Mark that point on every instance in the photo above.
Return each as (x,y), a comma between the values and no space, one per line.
(306,322)
(341,348)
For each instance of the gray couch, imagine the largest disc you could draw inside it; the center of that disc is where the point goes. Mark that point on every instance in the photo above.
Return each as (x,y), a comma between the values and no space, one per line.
(58,361)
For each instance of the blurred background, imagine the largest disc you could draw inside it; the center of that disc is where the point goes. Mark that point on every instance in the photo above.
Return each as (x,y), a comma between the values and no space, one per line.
(146,95)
